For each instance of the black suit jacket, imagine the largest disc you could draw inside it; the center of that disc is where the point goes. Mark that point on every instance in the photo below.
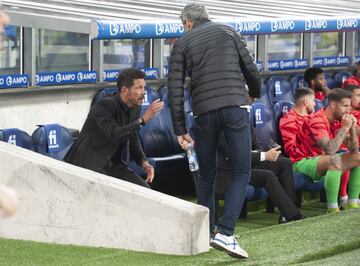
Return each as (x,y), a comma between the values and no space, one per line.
(105,130)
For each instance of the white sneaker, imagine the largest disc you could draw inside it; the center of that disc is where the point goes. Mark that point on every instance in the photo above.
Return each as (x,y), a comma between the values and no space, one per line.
(229,245)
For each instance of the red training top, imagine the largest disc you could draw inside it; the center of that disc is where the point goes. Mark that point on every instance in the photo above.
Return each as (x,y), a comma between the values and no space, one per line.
(352,80)
(289,126)
(313,129)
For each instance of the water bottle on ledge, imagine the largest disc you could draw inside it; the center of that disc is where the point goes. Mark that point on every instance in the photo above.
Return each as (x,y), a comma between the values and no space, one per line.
(193,163)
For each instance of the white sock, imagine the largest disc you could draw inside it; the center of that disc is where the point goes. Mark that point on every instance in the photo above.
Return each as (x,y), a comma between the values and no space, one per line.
(353,201)
(344,199)
(332,205)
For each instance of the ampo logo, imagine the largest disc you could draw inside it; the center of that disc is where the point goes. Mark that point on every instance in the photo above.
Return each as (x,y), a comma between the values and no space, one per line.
(169,28)
(2,81)
(58,77)
(9,81)
(247,26)
(114,29)
(37,79)
(281,64)
(282,25)
(346,23)
(80,76)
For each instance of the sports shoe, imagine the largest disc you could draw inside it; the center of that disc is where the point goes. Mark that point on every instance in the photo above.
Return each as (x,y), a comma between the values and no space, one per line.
(350,206)
(333,210)
(229,245)
(342,203)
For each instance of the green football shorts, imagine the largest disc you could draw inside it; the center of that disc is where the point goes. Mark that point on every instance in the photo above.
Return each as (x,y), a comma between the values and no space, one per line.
(308,166)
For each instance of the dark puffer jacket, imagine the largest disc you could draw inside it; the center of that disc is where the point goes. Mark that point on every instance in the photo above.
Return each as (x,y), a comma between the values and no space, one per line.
(218,63)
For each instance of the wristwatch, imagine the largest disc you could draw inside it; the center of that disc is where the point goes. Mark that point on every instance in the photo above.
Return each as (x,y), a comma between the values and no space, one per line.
(141,121)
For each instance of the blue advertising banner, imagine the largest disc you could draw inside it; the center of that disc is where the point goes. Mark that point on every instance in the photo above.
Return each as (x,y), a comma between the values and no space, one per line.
(14,81)
(151,73)
(287,64)
(57,78)
(105,29)
(111,75)
(357,59)
(135,29)
(331,61)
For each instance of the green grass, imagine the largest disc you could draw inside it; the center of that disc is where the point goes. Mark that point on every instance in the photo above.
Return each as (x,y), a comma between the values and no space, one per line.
(318,240)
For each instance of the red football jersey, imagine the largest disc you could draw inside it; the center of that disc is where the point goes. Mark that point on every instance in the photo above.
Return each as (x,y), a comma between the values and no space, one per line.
(313,129)
(352,80)
(289,126)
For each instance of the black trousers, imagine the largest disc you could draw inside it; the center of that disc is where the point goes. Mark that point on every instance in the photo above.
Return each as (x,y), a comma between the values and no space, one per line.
(123,172)
(277,179)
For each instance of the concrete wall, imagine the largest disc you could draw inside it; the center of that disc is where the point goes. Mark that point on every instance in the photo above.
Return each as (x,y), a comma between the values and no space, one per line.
(61,203)
(66,105)
(26,110)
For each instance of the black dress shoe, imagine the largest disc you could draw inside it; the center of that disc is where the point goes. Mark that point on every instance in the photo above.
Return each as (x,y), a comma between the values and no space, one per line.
(298,217)
(282,220)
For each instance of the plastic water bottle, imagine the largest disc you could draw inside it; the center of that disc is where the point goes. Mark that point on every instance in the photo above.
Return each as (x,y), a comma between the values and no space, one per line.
(193,163)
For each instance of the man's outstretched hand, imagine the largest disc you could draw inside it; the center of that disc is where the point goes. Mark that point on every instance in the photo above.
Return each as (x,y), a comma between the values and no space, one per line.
(155,107)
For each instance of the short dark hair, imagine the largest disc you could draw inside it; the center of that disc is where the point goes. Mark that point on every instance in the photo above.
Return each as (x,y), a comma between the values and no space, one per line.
(300,93)
(351,87)
(311,73)
(126,77)
(336,95)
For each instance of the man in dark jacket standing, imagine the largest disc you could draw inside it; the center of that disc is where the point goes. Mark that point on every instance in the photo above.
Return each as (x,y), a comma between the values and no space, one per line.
(112,127)
(217,61)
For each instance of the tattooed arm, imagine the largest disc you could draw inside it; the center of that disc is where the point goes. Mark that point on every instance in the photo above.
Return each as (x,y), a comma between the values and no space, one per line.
(330,147)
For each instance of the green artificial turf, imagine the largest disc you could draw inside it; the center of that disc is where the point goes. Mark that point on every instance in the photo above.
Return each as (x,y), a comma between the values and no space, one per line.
(318,240)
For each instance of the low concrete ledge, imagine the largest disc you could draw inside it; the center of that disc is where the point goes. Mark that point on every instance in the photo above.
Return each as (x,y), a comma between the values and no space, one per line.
(61,203)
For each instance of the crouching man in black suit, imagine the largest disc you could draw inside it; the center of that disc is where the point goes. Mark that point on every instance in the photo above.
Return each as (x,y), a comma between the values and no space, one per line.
(268,170)
(111,129)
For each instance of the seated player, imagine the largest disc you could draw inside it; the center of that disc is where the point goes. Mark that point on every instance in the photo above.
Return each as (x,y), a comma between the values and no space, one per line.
(353,79)
(355,104)
(293,120)
(315,78)
(316,146)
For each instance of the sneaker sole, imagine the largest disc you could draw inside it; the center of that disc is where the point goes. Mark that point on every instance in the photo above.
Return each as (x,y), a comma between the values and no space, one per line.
(220,247)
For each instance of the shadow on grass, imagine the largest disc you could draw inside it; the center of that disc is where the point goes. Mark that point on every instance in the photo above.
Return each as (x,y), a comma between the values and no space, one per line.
(333,251)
